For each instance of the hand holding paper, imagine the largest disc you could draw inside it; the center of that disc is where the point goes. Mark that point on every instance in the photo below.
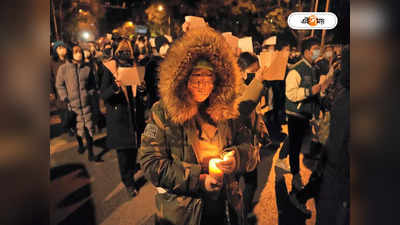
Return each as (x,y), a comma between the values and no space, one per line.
(332,69)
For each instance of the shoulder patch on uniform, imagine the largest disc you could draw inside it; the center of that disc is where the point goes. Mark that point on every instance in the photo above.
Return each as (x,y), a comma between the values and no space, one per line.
(150,131)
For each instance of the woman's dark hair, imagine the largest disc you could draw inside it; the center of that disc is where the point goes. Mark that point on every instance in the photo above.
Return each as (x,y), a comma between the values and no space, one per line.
(246,59)
(141,38)
(54,54)
(70,53)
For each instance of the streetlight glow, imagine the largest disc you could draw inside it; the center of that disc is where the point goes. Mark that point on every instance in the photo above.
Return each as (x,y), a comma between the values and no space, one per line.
(86,35)
(160,8)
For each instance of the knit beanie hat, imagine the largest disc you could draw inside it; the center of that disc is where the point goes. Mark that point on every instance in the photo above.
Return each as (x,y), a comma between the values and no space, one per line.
(203,64)
(57,44)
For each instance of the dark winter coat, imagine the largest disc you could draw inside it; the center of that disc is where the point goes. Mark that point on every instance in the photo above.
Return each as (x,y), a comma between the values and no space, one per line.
(76,84)
(54,65)
(334,190)
(152,79)
(120,117)
(337,152)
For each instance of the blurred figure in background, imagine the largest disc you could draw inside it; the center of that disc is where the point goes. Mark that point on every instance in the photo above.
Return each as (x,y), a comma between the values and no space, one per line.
(89,55)
(249,65)
(320,67)
(294,56)
(151,76)
(122,109)
(302,105)
(329,184)
(59,58)
(142,50)
(276,117)
(75,85)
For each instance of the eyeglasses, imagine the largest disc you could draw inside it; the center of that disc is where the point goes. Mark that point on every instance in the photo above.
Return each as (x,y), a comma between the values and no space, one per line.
(197,83)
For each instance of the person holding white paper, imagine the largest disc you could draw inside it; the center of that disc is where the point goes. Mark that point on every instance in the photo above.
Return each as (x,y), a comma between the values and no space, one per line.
(123,125)
(302,104)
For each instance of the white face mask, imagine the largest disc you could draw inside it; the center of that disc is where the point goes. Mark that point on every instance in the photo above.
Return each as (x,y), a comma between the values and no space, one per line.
(163,50)
(315,54)
(328,54)
(77,57)
(87,54)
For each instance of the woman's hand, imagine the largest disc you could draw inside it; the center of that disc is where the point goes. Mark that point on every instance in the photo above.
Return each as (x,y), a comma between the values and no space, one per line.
(209,183)
(228,164)
(332,69)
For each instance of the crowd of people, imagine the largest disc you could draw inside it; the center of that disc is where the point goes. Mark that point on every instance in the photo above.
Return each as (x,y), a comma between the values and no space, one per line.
(201,101)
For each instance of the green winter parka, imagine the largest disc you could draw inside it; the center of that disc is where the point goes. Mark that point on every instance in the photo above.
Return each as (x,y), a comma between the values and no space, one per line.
(166,155)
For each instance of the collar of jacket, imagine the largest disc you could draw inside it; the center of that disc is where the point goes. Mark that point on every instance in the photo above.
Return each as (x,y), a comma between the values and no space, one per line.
(306,62)
(177,66)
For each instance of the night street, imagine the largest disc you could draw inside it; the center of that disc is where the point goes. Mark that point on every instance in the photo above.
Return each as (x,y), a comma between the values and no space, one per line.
(92,192)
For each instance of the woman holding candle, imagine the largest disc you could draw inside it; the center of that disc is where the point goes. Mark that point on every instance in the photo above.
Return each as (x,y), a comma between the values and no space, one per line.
(194,149)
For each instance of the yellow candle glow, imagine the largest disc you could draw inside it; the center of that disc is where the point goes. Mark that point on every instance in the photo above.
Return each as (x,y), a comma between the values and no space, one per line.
(214,171)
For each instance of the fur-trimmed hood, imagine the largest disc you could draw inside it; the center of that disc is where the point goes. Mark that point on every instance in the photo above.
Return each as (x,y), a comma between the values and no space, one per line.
(177,66)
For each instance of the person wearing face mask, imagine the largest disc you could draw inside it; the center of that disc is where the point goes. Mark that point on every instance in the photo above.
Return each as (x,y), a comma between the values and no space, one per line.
(329,183)
(142,50)
(75,85)
(194,125)
(90,60)
(249,65)
(320,67)
(93,49)
(294,56)
(125,113)
(107,56)
(59,58)
(302,89)
(107,52)
(151,75)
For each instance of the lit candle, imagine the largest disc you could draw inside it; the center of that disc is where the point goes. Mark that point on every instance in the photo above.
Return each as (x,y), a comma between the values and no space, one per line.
(214,171)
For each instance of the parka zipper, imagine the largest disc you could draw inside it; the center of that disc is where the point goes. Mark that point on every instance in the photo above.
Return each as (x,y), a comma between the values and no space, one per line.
(79,94)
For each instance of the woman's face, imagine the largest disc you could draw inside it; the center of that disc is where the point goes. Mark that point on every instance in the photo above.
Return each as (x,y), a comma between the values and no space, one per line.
(77,53)
(201,84)
(61,51)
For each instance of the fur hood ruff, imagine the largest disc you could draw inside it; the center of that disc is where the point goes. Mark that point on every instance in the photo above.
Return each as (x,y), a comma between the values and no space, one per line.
(177,66)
